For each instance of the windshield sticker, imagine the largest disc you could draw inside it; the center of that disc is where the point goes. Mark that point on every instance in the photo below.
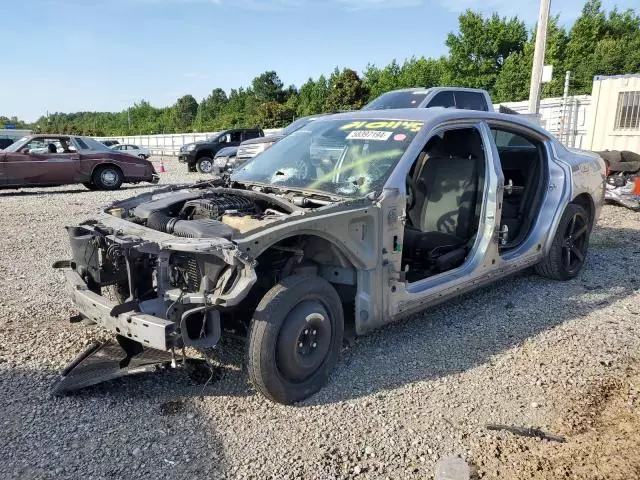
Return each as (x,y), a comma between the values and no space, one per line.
(378,135)
(400,137)
(390,124)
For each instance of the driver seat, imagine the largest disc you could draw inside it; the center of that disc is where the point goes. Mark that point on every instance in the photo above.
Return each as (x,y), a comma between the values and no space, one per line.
(52,148)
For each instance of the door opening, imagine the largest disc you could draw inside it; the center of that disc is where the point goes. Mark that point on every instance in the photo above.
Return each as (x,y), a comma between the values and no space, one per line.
(445,188)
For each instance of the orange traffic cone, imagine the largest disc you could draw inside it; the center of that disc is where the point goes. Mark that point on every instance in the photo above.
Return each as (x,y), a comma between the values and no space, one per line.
(636,188)
(162,169)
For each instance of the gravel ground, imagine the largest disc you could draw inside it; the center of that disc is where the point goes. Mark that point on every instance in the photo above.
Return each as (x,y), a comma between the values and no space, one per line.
(525,351)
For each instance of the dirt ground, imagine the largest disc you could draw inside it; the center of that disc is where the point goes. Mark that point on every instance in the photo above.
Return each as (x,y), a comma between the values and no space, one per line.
(601,425)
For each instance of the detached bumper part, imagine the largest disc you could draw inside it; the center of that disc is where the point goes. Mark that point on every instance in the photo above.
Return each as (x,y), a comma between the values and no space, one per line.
(106,361)
(155,178)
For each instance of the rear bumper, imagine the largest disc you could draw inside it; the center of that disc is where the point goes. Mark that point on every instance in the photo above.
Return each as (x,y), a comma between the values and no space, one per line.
(148,330)
(155,178)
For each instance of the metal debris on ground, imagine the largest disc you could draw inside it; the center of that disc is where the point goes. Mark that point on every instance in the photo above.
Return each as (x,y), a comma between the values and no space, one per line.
(527,432)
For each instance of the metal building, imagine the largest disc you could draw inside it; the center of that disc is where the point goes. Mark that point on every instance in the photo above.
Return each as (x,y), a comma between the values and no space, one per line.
(614,116)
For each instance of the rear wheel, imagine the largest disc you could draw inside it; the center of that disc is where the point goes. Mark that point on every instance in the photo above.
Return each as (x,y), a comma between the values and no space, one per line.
(204,165)
(107,177)
(143,157)
(295,338)
(570,244)
(90,186)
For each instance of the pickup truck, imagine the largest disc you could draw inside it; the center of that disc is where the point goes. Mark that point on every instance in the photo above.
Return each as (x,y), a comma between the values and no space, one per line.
(199,155)
(447,97)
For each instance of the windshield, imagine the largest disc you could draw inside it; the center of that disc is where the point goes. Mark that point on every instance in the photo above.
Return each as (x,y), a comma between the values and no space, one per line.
(297,125)
(406,99)
(338,157)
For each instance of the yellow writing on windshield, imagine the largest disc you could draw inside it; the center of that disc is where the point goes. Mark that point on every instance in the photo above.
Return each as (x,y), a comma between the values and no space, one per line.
(413,127)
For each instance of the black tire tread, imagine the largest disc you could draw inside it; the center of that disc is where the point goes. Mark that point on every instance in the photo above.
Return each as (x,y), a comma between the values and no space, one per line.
(203,157)
(551,266)
(98,183)
(264,379)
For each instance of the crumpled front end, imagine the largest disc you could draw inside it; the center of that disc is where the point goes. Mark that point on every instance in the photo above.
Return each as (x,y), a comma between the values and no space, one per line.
(170,289)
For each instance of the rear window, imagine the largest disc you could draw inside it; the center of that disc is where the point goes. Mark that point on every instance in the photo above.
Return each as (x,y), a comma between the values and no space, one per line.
(82,145)
(393,100)
(471,101)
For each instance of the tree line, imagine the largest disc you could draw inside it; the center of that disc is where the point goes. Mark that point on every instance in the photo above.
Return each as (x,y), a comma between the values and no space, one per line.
(490,52)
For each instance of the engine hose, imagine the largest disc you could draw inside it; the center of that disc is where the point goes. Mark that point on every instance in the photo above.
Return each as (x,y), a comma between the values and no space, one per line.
(161,222)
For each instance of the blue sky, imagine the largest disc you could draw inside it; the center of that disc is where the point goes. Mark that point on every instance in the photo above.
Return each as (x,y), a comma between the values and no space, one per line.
(72,55)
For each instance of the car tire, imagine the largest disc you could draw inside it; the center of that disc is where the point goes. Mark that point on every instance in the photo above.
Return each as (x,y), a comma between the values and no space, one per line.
(204,165)
(568,250)
(143,157)
(107,177)
(90,186)
(295,338)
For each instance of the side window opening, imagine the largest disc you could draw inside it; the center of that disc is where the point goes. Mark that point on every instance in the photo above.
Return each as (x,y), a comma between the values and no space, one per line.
(250,134)
(444,201)
(471,101)
(524,169)
(236,136)
(443,99)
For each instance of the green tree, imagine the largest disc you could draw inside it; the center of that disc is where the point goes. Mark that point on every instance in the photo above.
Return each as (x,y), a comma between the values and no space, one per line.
(313,96)
(209,109)
(184,113)
(274,115)
(346,91)
(514,79)
(268,87)
(478,52)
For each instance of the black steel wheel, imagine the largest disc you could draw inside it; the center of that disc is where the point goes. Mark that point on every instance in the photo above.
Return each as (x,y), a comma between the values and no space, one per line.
(570,245)
(294,338)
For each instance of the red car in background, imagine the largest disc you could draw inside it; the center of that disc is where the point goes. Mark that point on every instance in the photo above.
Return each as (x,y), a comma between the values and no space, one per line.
(48,160)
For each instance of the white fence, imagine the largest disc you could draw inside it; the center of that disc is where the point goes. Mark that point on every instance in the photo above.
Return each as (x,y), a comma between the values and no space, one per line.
(565,118)
(169,144)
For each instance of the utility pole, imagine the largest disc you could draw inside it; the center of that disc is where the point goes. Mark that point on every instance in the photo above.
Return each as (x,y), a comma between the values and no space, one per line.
(538,56)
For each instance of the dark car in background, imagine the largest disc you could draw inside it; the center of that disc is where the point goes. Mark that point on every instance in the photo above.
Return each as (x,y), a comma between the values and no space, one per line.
(49,160)
(251,148)
(199,155)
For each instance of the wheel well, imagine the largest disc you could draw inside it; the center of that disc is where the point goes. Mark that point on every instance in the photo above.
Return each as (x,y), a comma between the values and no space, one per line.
(106,164)
(310,254)
(586,202)
(204,153)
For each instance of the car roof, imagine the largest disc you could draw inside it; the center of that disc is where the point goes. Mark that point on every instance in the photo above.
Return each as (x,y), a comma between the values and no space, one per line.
(436,115)
(435,89)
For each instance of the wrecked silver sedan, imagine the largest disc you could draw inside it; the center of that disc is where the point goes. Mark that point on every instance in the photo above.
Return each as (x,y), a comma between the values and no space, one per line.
(362,218)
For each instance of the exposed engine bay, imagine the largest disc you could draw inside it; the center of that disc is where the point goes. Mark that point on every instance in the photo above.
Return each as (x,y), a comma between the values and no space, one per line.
(204,213)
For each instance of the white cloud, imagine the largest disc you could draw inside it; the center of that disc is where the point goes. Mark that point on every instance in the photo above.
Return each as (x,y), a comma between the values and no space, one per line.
(197,75)
(275,5)
(526,10)
(378,4)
